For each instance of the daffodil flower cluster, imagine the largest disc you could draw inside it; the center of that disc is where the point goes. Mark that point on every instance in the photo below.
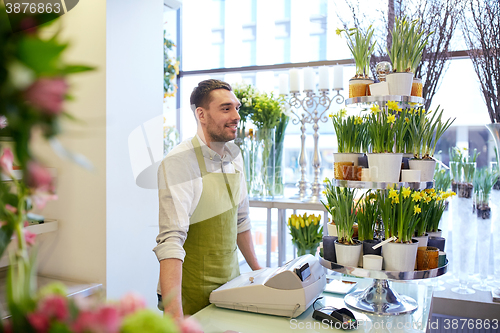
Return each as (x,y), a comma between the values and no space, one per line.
(406,212)
(387,127)
(351,132)
(306,231)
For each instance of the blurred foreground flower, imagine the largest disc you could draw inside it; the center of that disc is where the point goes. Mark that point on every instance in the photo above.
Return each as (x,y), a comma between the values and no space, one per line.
(47,95)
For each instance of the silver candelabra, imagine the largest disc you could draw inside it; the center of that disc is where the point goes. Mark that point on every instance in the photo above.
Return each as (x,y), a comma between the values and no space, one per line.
(311,101)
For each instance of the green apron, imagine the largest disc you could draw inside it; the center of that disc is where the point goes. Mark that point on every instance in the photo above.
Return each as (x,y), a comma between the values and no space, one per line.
(211,258)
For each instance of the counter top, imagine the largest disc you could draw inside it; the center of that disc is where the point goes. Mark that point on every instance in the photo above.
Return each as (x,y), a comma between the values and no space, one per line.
(217,320)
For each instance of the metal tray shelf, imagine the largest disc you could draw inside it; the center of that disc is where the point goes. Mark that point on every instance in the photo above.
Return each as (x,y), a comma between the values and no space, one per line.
(381,185)
(384,275)
(379,298)
(384,99)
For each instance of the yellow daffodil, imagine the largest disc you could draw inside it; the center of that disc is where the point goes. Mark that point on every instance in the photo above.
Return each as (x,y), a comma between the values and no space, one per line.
(428,199)
(330,115)
(416,196)
(324,192)
(375,108)
(393,193)
(407,119)
(392,105)
(416,210)
(395,200)
(412,111)
(326,180)
(338,31)
(406,192)
(342,113)
(358,120)
(438,198)
(391,119)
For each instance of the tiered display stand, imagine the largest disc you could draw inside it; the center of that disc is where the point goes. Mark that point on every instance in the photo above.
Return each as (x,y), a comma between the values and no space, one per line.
(379,298)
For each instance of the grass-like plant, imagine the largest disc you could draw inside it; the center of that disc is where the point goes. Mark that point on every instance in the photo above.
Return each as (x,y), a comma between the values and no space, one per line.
(342,205)
(433,207)
(351,132)
(400,212)
(426,128)
(361,48)
(385,126)
(367,215)
(442,179)
(408,43)
(483,183)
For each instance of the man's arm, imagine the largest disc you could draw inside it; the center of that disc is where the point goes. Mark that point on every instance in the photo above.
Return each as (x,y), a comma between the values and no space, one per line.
(171,282)
(245,244)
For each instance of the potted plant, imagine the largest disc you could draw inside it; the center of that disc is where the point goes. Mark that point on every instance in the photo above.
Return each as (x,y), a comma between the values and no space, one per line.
(433,209)
(485,179)
(361,48)
(342,205)
(400,212)
(408,43)
(352,139)
(426,128)
(367,216)
(385,128)
(306,232)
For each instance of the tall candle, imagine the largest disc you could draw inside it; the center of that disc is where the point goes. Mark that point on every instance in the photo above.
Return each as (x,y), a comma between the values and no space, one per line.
(283,84)
(308,78)
(338,77)
(294,79)
(324,78)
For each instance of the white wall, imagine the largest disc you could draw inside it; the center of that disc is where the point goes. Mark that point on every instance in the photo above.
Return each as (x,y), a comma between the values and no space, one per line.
(78,249)
(107,223)
(134,91)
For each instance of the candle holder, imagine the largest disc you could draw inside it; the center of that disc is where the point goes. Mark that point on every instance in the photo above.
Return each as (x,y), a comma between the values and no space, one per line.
(314,107)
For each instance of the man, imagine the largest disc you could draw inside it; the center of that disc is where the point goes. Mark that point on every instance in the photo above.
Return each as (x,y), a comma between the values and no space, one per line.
(203,205)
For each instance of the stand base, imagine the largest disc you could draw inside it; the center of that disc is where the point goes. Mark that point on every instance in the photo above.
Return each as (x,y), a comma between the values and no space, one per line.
(381,300)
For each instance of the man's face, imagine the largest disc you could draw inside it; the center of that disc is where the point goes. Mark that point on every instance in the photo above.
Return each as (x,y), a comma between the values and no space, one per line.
(222,118)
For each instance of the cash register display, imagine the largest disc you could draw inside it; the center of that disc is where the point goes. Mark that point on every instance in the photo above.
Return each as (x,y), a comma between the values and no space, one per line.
(303,272)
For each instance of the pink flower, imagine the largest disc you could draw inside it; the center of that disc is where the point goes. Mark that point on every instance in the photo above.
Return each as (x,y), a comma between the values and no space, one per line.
(6,161)
(190,325)
(3,122)
(105,319)
(47,94)
(29,237)
(40,198)
(10,208)
(108,319)
(54,306)
(38,177)
(131,303)
(39,321)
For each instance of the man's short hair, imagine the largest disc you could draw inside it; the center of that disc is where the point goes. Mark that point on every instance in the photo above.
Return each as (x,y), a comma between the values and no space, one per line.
(201,94)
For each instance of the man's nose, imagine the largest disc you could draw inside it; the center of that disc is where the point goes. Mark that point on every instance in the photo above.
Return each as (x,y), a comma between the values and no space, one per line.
(236,114)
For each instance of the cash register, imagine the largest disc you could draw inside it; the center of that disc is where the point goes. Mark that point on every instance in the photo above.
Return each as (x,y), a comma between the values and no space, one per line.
(284,291)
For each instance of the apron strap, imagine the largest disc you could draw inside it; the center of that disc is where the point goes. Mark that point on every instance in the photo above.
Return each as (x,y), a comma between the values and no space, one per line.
(199,156)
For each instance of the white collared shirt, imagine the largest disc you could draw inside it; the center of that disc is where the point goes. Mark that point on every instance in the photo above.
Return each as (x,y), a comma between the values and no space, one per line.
(179,191)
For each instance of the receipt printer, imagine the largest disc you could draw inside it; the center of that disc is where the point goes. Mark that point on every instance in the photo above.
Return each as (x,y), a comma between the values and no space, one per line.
(284,291)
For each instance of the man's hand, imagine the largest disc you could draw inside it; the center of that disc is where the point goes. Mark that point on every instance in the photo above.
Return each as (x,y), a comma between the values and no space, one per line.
(171,286)
(245,245)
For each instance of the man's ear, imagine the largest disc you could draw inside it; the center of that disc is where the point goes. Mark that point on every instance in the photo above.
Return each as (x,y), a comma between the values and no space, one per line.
(200,114)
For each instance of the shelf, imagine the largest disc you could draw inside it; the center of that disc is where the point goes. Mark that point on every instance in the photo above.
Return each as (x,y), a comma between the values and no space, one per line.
(42,228)
(18,174)
(384,99)
(381,185)
(384,275)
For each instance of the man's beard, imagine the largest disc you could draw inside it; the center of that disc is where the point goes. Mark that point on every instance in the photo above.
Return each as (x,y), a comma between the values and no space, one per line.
(218,135)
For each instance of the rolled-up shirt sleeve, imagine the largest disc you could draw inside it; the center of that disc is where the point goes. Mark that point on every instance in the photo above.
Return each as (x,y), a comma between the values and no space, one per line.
(176,195)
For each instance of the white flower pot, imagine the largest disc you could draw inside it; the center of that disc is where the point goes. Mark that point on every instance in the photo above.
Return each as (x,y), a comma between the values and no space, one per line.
(379,89)
(348,255)
(400,83)
(332,229)
(410,176)
(435,233)
(400,257)
(422,240)
(385,167)
(426,167)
